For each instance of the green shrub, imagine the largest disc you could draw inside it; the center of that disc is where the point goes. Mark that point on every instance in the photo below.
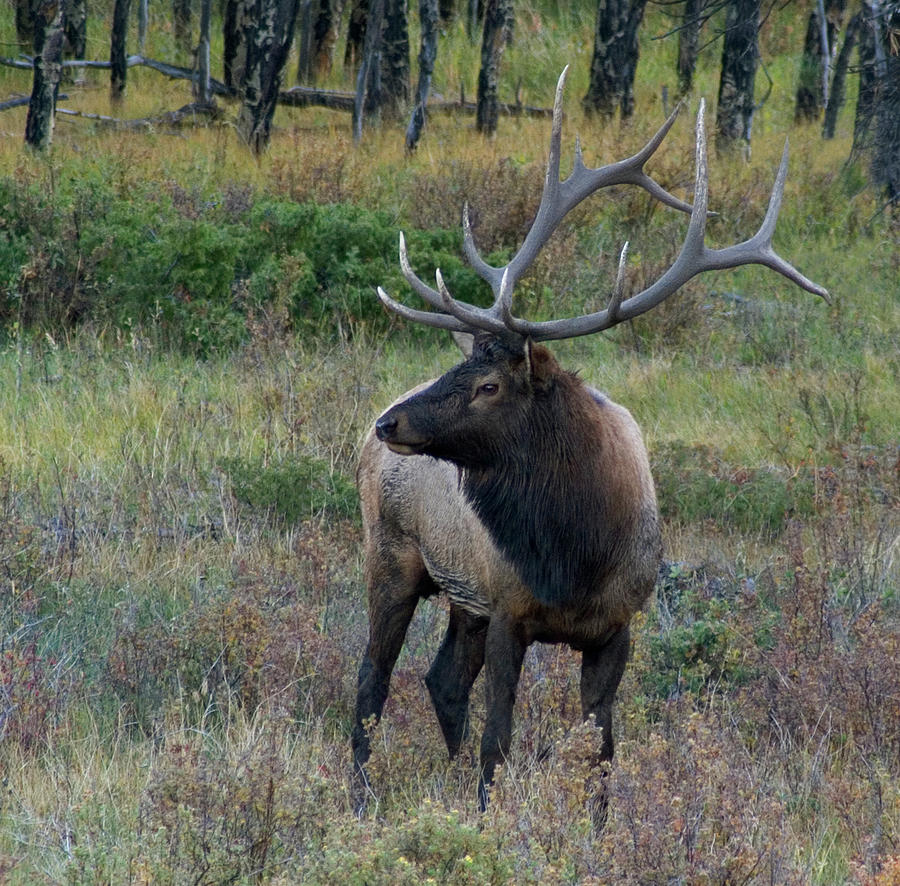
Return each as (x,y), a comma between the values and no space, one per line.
(430,846)
(294,489)
(194,270)
(695,484)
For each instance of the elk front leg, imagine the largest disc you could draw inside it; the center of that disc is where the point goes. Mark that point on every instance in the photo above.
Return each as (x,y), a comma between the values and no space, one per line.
(393,595)
(601,671)
(504,651)
(450,678)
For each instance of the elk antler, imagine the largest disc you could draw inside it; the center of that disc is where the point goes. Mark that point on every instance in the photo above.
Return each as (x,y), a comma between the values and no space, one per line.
(558,198)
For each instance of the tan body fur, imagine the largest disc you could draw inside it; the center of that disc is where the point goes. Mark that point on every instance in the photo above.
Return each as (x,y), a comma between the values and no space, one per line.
(414,510)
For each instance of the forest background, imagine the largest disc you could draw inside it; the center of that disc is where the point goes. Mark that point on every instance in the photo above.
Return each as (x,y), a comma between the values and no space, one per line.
(191,353)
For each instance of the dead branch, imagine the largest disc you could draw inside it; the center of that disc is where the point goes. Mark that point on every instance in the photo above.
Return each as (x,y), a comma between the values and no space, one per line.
(19,100)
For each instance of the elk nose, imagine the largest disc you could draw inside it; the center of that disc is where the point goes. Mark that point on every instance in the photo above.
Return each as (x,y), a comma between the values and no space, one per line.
(385,427)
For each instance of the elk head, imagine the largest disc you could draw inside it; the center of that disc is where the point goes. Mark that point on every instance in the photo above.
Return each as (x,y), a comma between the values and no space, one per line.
(474,413)
(504,363)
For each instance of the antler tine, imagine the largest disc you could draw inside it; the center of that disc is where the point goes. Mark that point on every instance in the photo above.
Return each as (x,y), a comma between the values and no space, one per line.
(763,237)
(473,317)
(428,294)
(547,217)
(615,301)
(487,272)
(427,318)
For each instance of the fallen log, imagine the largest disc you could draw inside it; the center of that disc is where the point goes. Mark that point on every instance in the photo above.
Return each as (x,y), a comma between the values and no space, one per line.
(184,115)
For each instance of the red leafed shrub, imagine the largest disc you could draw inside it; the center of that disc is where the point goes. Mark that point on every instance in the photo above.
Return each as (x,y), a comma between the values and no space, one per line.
(34,691)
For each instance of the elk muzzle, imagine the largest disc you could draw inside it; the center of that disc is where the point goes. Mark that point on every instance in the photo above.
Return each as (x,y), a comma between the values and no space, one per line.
(394,431)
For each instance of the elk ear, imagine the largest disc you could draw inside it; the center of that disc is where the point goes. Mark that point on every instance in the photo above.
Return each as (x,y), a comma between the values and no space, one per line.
(465,341)
(541,364)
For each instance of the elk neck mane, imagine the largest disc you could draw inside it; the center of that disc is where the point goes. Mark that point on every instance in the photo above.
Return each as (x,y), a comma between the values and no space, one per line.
(549,504)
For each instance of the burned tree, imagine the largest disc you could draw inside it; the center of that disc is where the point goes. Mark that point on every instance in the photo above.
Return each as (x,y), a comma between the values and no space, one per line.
(615,57)
(117,55)
(75,27)
(25,23)
(395,57)
(266,34)
(382,83)
(356,34)
(740,55)
(48,47)
(689,44)
(428,22)
(201,89)
(872,69)
(498,15)
(368,78)
(318,34)
(181,24)
(839,78)
(885,159)
(822,28)
(234,50)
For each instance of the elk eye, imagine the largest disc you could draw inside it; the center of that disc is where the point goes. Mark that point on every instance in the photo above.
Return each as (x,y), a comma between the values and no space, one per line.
(488,389)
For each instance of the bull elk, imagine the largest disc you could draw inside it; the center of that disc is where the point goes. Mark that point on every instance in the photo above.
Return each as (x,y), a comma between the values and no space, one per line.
(517,490)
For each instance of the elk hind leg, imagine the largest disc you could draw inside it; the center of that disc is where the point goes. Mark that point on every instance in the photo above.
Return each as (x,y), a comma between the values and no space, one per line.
(453,672)
(602,668)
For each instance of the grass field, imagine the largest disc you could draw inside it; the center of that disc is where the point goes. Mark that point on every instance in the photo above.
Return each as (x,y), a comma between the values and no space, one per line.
(181,402)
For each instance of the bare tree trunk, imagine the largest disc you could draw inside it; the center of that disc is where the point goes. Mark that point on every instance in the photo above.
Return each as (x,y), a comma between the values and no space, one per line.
(325,34)
(740,54)
(319,20)
(143,18)
(25,24)
(356,35)
(368,79)
(234,50)
(75,27)
(871,71)
(200,87)
(688,44)
(304,42)
(181,24)
(822,29)
(49,38)
(395,58)
(632,52)
(886,153)
(267,35)
(838,83)
(447,10)
(117,54)
(615,57)
(428,22)
(497,22)
(474,16)
(75,30)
